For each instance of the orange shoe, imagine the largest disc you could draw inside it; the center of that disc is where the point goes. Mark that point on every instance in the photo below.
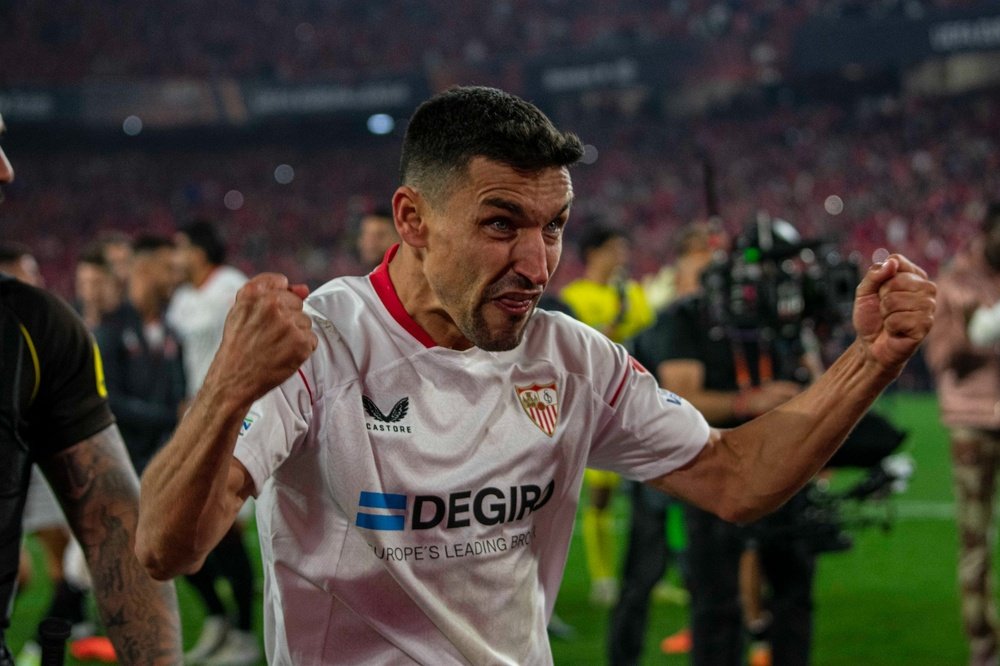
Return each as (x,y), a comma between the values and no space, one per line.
(93,648)
(760,654)
(679,643)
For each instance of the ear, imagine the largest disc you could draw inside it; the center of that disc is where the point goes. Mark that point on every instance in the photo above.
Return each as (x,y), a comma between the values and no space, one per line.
(408,208)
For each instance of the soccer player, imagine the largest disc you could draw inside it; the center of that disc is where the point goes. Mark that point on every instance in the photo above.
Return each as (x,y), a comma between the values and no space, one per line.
(416,438)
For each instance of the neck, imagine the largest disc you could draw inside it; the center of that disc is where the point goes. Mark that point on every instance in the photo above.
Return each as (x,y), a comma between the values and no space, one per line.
(419,300)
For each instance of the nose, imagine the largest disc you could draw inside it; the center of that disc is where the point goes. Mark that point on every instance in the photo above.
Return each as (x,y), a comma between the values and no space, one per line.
(6,170)
(531,257)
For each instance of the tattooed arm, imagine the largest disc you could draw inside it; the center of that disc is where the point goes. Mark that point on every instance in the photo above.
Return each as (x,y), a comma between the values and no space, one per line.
(99,492)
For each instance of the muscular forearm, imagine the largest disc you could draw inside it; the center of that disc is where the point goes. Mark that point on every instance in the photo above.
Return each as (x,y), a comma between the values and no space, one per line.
(188,501)
(99,493)
(781,450)
(748,471)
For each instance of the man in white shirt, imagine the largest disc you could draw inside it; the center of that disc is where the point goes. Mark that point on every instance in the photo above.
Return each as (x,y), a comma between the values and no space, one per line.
(416,438)
(199,306)
(198,313)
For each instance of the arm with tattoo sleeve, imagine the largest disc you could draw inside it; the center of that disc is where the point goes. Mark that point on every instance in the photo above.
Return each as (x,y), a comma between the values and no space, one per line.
(99,492)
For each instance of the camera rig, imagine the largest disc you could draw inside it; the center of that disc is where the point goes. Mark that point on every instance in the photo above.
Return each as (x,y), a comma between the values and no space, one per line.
(772,281)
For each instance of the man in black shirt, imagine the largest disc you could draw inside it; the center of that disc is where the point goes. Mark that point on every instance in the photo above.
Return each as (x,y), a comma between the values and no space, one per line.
(54,412)
(733,371)
(143,368)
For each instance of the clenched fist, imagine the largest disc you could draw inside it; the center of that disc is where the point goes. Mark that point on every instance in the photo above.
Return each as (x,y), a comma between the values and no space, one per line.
(267,336)
(893,311)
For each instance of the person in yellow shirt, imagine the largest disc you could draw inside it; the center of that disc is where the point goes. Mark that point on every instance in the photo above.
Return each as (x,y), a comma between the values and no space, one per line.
(608,300)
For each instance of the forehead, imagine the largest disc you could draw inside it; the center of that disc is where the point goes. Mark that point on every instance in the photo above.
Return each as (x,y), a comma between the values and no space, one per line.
(541,193)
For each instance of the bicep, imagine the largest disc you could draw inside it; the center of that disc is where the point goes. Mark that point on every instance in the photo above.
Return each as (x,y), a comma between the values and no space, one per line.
(703,481)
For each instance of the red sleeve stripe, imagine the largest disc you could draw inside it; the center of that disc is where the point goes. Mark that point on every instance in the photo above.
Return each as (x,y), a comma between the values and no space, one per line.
(621,386)
(308,389)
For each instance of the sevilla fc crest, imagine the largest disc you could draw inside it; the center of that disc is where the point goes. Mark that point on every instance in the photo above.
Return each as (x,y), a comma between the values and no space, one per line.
(541,404)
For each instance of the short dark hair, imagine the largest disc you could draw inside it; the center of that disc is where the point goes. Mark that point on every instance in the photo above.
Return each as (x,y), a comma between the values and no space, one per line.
(596,235)
(148,243)
(447,131)
(201,232)
(11,251)
(93,254)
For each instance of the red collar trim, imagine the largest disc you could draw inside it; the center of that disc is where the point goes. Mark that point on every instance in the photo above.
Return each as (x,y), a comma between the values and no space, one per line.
(390,299)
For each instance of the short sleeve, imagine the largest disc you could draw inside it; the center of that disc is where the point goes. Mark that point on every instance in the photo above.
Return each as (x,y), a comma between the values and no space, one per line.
(69,402)
(648,431)
(274,426)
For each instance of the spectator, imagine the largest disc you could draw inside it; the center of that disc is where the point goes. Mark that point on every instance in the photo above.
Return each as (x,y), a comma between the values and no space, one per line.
(963,354)
(56,415)
(198,312)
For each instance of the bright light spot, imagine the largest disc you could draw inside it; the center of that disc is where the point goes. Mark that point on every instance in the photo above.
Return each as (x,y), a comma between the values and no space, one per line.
(880,255)
(834,205)
(284,174)
(589,154)
(132,125)
(381,123)
(233,200)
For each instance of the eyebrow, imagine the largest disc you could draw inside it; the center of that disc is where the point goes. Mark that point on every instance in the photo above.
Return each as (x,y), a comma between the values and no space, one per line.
(516,209)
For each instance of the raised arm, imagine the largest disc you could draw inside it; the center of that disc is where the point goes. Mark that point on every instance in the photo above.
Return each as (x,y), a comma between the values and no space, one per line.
(99,492)
(194,487)
(750,470)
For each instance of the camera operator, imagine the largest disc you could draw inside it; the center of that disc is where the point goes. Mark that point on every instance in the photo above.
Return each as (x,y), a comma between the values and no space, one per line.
(737,349)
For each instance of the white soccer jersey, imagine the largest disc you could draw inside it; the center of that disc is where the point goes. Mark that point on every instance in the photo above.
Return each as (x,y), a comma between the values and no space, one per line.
(416,503)
(198,314)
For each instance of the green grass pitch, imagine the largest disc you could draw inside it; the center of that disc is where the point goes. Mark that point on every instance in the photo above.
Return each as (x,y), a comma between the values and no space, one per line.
(890,600)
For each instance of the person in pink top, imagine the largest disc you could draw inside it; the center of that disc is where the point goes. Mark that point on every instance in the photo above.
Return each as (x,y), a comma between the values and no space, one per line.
(963,352)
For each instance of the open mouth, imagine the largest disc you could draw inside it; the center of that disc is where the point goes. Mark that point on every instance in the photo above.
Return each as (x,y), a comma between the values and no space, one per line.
(516,305)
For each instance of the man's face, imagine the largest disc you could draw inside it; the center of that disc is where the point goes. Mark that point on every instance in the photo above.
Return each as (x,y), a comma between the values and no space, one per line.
(119,256)
(6,170)
(375,235)
(613,256)
(95,286)
(152,279)
(183,257)
(492,246)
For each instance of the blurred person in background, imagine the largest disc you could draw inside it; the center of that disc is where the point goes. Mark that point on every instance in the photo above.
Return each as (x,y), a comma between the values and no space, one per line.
(116,246)
(648,553)
(55,414)
(733,373)
(376,234)
(197,312)
(98,289)
(963,352)
(143,367)
(16,259)
(605,298)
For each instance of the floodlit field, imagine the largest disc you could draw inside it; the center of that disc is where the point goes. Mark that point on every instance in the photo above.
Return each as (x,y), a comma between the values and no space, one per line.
(891,599)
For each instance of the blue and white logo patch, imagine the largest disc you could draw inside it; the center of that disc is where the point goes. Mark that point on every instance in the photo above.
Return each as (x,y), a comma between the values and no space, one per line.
(669,397)
(248,422)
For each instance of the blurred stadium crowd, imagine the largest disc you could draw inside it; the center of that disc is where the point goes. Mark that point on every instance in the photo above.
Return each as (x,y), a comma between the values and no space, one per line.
(910,176)
(64,41)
